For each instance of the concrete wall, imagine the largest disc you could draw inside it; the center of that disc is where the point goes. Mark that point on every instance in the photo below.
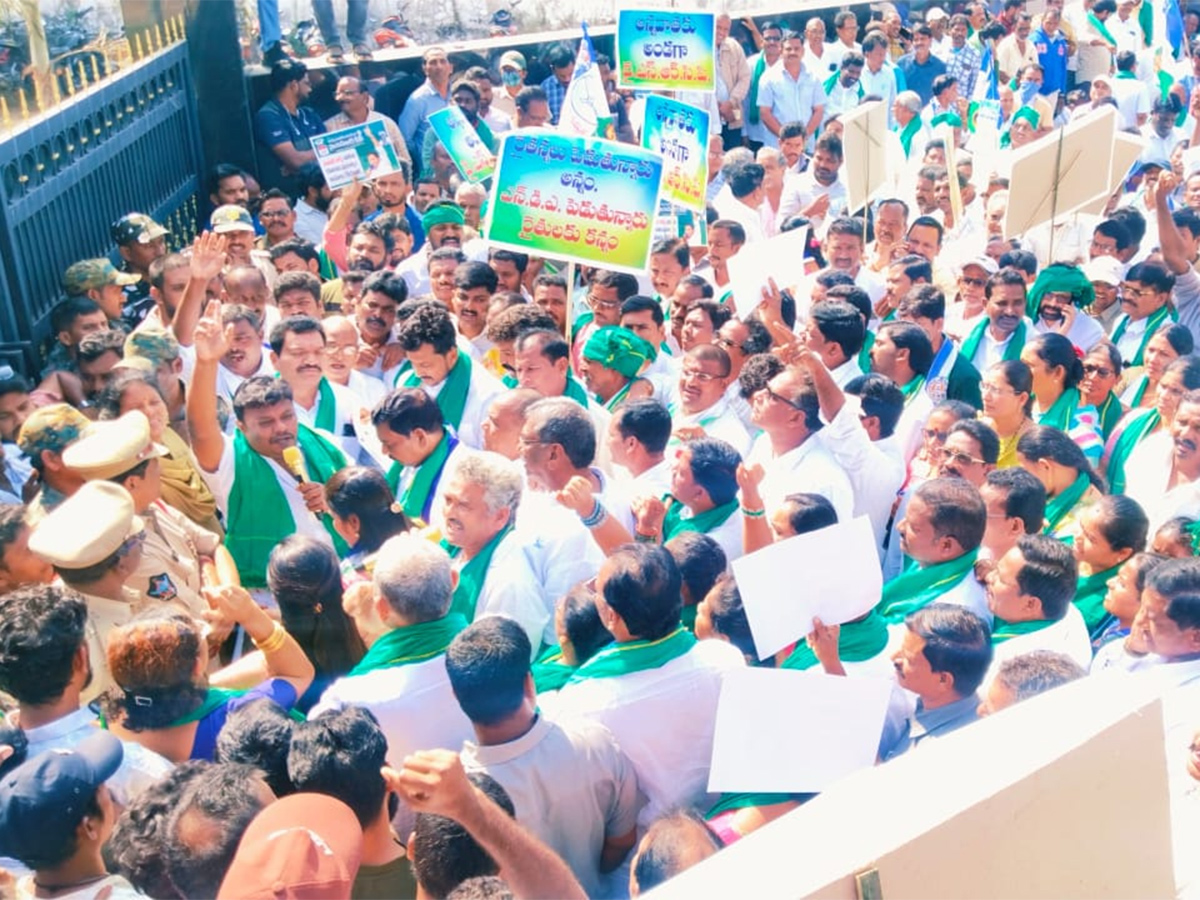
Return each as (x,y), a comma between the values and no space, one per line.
(1064,796)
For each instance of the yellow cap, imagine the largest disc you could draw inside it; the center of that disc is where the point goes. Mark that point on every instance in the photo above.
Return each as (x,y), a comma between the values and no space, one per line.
(86,528)
(107,449)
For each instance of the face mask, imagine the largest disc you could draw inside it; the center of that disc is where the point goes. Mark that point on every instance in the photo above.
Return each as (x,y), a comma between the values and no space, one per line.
(1028,90)
(510,78)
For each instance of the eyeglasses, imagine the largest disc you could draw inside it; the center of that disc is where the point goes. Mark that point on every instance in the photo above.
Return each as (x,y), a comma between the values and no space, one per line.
(335,350)
(521,443)
(1102,371)
(595,301)
(783,399)
(1140,293)
(957,457)
(932,434)
(993,390)
(697,375)
(772,40)
(274,214)
(719,341)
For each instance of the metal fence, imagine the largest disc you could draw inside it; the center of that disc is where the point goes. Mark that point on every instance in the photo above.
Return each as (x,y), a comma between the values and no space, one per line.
(129,143)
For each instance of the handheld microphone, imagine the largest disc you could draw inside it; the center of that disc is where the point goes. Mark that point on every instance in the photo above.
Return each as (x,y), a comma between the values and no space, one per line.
(295,463)
(293,459)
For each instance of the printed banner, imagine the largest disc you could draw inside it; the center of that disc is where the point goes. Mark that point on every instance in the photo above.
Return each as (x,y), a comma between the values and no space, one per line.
(474,160)
(666,49)
(359,151)
(580,198)
(680,133)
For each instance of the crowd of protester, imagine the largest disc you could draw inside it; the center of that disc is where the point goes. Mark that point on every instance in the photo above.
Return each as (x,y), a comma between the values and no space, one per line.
(343,554)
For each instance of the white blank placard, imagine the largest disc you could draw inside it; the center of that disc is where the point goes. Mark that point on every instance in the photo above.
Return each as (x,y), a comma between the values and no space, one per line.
(780,258)
(832,574)
(794,732)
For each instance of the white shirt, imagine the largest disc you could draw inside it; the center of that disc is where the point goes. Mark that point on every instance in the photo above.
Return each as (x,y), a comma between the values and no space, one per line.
(990,350)
(1133,99)
(740,406)
(718,421)
(227,381)
(846,372)
(220,482)
(809,468)
(801,190)
(1131,339)
(483,388)
(310,223)
(909,430)
(437,507)
(414,704)
(875,469)
(750,218)
(560,550)
(571,786)
(662,719)
(1069,636)
(1085,332)
(654,482)
(345,420)
(1147,474)
(139,767)
(510,588)
(367,391)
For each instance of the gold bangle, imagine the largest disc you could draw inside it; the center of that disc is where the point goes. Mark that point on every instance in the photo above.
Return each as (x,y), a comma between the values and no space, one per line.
(273,641)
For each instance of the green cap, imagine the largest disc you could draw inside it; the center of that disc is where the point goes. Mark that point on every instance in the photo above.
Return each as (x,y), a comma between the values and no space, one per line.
(154,344)
(91,274)
(137,227)
(619,349)
(52,428)
(443,213)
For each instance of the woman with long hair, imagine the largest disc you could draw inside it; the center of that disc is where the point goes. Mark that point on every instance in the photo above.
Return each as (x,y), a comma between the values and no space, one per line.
(1071,484)
(1101,372)
(364,512)
(1007,389)
(1163,348)
(305,579)
(1148,427)
(1057,372)
(182,486)
(1110,532)
(162,697)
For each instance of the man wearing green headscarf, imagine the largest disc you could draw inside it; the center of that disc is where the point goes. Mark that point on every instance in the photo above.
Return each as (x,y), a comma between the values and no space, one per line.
(613,358)
(443,222)
(1055,302)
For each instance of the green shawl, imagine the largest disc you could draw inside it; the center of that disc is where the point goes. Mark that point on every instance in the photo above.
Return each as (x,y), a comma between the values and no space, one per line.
(326,407)
(1134,432)
(258,513)
(908,133)
(704,522)
(1089,600)
(1143,382)
(1110,414)
(411,644)
(753,116)
(214,699)
(970,346)
(1058,506)
(452,398)
(1062,411)
(575,391)
(1003,631)
(1095,22)
(635,656)
(1152,325)
(911,389)
(473,574)
(418,497)
(916,587)
(550,672)
(857,641)
(730,802)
